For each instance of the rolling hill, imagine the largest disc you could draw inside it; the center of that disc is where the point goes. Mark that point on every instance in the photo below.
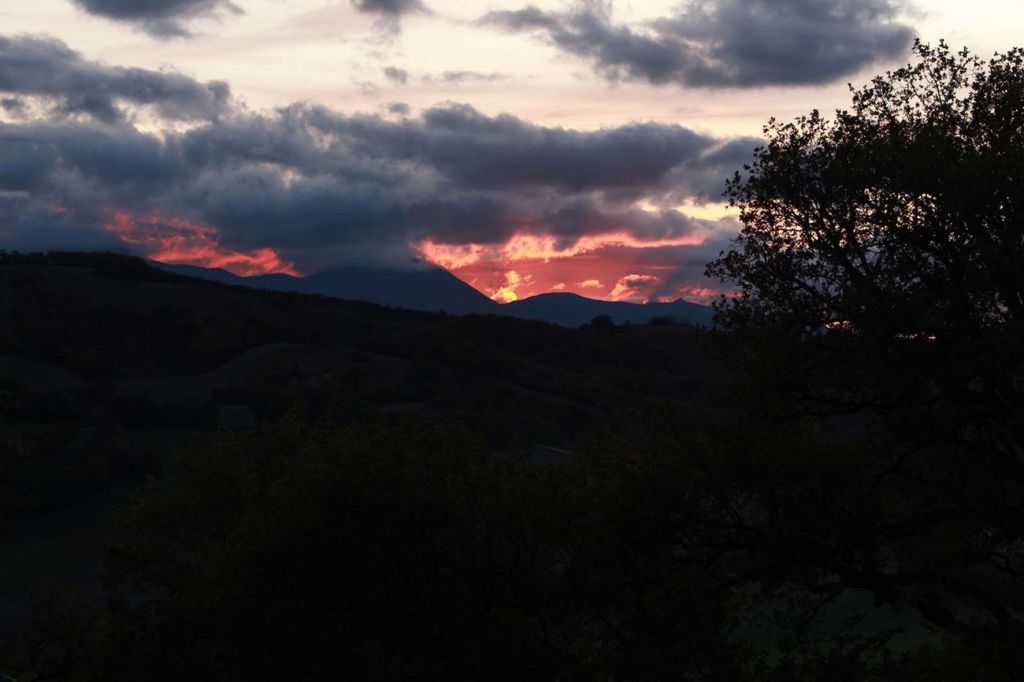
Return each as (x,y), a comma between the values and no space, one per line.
(109,366)
(433,289)
(425,288)
(572,310)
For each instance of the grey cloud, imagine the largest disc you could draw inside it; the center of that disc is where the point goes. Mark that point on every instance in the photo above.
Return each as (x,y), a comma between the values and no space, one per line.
(390,12)
(27,226)
(585,215)
(727,43)
(398,108)
(160,18)
(703,178)
(315,184)
(458,77)
(58,178)
(462,76)
(83,168)
(13,106)
(256,207)
(390,7)
(687,264)
(46,67)
(396,75)
(485,152)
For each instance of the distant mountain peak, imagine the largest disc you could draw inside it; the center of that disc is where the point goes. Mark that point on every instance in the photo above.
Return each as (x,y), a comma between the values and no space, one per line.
(431,288)
(572,310)
(425,287)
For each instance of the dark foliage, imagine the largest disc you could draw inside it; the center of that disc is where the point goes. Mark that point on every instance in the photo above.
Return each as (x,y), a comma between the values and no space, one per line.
(601,323)
(394,551)
(882,288)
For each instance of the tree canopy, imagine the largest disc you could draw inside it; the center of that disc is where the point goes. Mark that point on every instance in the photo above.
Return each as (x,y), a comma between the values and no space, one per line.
(880,290)
(889,242)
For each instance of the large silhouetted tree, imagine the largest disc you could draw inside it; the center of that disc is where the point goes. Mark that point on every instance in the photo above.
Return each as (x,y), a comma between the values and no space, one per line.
(880,281)
(893,236)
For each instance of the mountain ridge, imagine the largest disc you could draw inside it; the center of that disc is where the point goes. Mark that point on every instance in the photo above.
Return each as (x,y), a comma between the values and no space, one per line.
(434,289)
(572,310)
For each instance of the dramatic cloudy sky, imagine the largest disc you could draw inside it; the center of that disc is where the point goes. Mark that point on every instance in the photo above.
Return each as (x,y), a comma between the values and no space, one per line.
(553,146)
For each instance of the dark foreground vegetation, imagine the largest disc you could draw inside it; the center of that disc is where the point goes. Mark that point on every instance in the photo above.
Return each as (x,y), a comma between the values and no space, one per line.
(831,486)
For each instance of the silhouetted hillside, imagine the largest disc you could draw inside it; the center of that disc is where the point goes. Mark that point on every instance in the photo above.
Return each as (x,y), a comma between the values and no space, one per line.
(430,288)
(108,365)
(418,287)
(572,310)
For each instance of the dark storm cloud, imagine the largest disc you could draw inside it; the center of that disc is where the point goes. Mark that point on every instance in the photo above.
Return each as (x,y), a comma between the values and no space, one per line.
(99,160)
(161,18)
(58,178)
(310,175)
(726,43)
(28,226)
(46,67)
(484,152)
(311,183)
(317,185)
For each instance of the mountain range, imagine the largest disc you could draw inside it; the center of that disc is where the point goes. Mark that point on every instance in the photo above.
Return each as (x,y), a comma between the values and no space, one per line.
(430,288)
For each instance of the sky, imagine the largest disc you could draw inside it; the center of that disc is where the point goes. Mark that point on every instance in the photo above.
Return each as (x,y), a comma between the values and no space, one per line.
(577,146)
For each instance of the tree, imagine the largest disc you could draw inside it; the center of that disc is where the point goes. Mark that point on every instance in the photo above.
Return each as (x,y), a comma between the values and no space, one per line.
(894,233)
(880,281)
(601,323)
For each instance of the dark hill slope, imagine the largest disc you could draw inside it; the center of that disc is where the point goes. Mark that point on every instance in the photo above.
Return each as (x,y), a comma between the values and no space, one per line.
(112,319)
(572,310)
(430,288)
(109,365)
(419,287)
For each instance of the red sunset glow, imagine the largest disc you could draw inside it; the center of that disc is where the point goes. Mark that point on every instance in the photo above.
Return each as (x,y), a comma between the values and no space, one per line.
(613,266)
(178,241)
(610,266)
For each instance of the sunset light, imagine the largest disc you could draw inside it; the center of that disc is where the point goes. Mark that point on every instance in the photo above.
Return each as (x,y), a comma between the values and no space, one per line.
(616,266)
(178,241)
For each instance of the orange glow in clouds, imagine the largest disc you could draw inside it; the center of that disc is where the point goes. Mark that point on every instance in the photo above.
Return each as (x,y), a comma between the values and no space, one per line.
(609,266)
(178,241)
(614,266)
